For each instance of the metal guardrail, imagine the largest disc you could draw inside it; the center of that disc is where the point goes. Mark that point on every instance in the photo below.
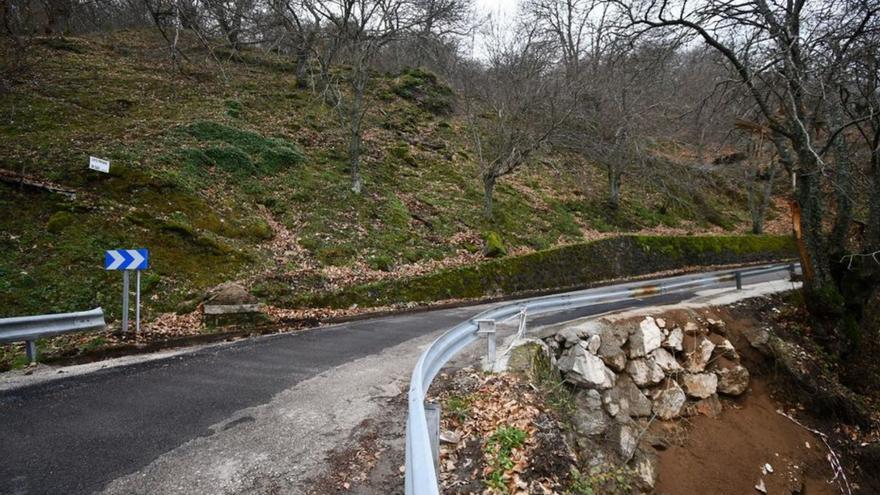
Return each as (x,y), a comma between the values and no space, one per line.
(31,328)
(421,445)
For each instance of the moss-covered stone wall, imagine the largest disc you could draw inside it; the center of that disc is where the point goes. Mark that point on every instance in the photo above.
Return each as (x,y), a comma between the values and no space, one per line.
(570,266)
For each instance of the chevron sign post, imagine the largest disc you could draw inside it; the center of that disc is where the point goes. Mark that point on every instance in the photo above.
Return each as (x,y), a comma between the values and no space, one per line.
(128,260)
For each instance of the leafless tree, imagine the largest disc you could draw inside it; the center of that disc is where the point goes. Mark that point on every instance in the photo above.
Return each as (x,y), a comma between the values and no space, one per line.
(776,51)
(357,32)
(514,105)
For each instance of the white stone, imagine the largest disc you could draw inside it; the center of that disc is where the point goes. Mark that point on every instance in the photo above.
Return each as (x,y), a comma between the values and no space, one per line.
(661,322)
(726,349)
(593,343)
(691,328)
(669,401)
(665,360)
(589,418)
(626,439)
(698,358)
(674,340)
(646,469)
(700,385)
(761,487)
(733,381)
(645,339)
(645,372)
(584,369)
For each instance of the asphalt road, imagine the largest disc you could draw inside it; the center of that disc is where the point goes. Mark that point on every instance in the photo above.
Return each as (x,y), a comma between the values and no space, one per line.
(78,434)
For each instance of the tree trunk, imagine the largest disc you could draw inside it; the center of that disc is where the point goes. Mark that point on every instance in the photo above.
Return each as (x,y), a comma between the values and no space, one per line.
(488,192)
(842,221)
(873,236)
(302,62)
(614,187)
(354,155)
(757,222)
(58,14)
(822,295)
(356,117)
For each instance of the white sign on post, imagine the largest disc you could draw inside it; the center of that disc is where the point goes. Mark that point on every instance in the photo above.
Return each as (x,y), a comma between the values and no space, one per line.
(99,164)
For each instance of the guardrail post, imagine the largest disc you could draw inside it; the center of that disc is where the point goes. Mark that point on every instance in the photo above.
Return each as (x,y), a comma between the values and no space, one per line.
(432,415)
(487,328)
(791,270)
(31,349)
(521,331)
(739,280)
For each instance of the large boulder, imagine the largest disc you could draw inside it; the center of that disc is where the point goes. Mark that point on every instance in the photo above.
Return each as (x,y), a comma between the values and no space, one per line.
(589,418)
(230,294)
(669,401)
(584,369)
(230,304)
(700,385)
(645,372)
(732,380)
(645,338)
(569,336)
(523,353)
(626,398)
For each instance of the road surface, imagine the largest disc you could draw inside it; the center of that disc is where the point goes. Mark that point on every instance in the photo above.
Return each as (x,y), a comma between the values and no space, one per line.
(253,416)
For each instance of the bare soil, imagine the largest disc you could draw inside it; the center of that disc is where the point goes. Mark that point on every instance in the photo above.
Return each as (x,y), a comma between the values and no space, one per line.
(725,455)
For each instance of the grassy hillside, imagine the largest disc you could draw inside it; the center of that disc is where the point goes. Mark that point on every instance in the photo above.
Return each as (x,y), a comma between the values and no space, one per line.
(226,171)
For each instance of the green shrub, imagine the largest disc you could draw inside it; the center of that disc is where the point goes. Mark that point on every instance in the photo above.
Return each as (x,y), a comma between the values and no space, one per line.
(233,108)
(230,159)
(279,157)
(241,150)
(500,448)
(381,262)
(59,221)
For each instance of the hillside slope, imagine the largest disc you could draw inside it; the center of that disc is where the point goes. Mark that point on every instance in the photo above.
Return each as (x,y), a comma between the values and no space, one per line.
(226,171)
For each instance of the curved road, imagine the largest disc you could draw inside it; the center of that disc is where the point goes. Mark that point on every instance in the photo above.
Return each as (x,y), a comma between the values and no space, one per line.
(229,418)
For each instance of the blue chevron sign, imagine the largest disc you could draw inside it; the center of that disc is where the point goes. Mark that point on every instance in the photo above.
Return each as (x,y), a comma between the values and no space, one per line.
(126,259)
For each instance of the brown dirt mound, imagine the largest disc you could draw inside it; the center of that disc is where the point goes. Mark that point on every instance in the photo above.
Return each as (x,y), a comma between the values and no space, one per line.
(725,455)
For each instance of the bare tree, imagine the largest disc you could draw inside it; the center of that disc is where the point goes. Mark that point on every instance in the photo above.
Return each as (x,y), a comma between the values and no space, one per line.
(357,32)
(776,50)
(760,170)
(513,105)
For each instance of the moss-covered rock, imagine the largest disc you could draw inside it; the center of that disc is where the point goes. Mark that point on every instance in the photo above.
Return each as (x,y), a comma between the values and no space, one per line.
(493,245)
(424,89)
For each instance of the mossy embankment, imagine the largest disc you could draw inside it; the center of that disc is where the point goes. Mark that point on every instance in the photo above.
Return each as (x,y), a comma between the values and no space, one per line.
(570,266)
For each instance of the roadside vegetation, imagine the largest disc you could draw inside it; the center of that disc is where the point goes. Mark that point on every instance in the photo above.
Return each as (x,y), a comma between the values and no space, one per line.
(208,167)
